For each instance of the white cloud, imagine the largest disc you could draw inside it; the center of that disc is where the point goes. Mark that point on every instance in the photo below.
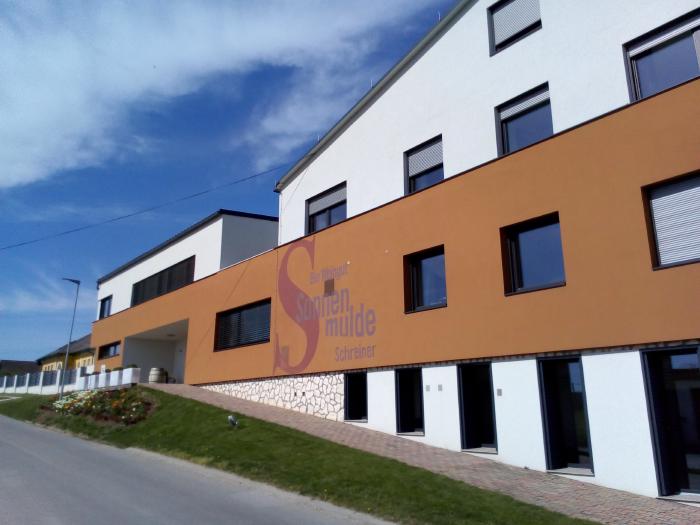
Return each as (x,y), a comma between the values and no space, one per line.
(72,70)
(46,295)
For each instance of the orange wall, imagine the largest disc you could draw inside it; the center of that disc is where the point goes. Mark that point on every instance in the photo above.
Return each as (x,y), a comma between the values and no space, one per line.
(591,175)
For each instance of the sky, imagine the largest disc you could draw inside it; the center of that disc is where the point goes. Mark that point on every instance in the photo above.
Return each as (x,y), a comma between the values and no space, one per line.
(109,108)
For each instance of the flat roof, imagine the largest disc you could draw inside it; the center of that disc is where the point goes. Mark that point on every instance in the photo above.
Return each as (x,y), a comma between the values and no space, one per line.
(373,94)
(184,233)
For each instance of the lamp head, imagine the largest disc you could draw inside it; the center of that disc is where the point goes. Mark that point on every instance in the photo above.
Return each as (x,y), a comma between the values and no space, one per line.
(74,281)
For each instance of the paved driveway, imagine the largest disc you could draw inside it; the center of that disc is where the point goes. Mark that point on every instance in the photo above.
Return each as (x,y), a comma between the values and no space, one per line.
(47,477)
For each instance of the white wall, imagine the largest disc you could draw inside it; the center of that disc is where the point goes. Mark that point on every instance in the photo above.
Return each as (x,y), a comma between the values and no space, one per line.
(441,407)
(518,413)
(454,87)
(147,354)
(381,401)
(618,422)
(204,244)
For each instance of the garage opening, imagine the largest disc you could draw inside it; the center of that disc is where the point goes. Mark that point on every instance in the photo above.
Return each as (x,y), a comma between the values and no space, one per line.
(564,411)
(356,396)
(409,401)
(476,402)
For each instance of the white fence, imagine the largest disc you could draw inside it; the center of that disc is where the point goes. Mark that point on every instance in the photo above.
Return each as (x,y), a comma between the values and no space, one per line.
(49,382)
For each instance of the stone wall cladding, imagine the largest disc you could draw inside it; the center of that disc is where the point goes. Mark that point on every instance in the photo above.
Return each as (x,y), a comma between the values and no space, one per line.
(319,394)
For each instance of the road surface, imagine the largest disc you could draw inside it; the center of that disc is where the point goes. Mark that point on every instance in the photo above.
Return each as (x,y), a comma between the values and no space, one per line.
(47,477)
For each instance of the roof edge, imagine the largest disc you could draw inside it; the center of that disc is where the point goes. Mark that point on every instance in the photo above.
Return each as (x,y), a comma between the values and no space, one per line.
(181,235)
(373,94)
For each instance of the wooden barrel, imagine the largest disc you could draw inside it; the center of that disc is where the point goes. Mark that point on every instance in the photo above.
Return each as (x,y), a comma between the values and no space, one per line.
(157,375)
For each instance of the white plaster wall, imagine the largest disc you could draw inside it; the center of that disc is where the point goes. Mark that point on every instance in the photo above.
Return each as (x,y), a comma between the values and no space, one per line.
(147,354)
(204,244)
(441,407)
(518,414)
(618,422)
(454,87)
(244,237)
(381,401)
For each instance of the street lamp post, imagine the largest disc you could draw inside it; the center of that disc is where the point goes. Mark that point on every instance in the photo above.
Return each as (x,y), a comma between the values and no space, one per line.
(70,336)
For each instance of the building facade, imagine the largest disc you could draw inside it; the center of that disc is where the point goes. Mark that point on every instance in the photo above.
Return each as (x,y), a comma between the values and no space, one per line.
(224,238)
(523,287)
(81,355)
(572,61)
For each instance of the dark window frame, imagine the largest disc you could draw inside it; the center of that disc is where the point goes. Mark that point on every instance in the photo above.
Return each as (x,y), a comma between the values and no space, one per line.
(163,277)
(241,308)
(501,133)
(517,37)
(630,69)
(543,409)
(411,279)
(408,179)
(307,222)
(105,301)
(652,410)
(652,236)
(346,410)
(511,256)
(397,372)
(104,352)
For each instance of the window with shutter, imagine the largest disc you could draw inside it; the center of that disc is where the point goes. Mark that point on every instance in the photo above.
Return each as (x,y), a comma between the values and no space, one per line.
(326,209)
(511,20)
(172,278)
(675,216)
(424,165)
(524,120)
(245,325)
(665,57)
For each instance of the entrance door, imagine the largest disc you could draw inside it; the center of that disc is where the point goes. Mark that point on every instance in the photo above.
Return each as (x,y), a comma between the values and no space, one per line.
(476,402)
(673,380)
(409,401)
(565,419)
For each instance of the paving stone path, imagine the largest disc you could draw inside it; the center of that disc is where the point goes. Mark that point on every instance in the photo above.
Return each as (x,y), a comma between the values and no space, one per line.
(574,498)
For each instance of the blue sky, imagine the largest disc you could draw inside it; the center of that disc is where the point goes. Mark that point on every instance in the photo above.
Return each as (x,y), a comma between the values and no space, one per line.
(112,107)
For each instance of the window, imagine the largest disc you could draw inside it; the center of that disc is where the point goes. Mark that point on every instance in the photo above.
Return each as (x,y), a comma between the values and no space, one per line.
(532,255)
(673,387)
(524,120)
(106,307)
(424,280)
(564,414)
(477,410)
(246,325)
(675,216)
(326,209)
(163,282)
(409,401)
(356,396)
(665,57)
(107,351)
(424,165)
(512,20)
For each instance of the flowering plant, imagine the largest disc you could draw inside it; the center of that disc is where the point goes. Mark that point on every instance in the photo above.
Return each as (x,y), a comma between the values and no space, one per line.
(126,406)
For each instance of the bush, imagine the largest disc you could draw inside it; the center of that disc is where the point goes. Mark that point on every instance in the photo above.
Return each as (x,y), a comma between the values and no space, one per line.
(127,406)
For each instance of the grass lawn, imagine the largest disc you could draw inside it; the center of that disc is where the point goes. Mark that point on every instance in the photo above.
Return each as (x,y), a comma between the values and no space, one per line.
(297,462)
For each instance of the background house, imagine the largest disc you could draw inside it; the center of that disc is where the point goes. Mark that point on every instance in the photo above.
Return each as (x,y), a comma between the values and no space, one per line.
(81,355)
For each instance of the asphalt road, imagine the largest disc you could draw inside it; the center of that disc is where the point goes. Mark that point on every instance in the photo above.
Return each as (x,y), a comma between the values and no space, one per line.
(48,477)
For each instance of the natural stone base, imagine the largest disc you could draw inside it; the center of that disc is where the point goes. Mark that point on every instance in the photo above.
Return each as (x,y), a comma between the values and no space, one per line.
(319,395)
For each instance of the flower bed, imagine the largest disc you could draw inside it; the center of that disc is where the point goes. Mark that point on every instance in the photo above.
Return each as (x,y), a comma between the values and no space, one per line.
(127,406)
